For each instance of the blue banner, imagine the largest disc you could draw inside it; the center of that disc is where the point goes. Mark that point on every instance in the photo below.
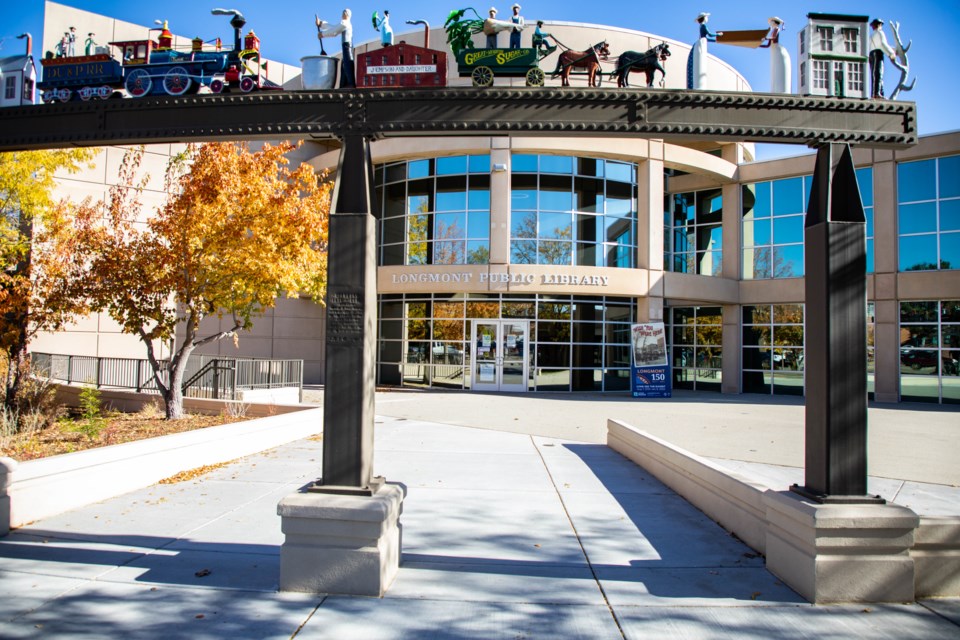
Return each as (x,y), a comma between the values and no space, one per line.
(650,369)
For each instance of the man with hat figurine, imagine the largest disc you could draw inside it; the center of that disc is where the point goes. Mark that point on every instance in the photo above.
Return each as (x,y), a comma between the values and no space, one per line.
(491,32)
(878,47)
(517,20)
(345,31)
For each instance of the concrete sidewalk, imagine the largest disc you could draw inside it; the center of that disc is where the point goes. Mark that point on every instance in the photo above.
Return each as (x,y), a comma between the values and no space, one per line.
(505,535)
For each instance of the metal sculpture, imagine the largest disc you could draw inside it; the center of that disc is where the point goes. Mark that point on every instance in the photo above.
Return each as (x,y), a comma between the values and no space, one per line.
(648,62)
(901,62)
(589,60)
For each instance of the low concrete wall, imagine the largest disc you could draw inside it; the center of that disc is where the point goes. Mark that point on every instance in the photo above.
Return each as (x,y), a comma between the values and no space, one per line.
(41,488)
(936,555)
(131,402)
(929,557)
(732,500)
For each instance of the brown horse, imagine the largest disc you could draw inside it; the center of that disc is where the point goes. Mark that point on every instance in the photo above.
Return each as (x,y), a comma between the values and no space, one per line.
(590,60)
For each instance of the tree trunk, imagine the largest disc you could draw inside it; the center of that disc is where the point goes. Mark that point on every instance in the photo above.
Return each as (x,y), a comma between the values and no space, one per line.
(16,366)
(173,398)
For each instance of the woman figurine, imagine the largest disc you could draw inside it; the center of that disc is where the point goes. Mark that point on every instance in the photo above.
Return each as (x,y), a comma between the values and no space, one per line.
(697,62)
(383,25)
(779,58)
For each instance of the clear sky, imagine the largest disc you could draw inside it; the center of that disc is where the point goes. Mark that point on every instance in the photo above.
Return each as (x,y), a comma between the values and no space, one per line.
(287,32)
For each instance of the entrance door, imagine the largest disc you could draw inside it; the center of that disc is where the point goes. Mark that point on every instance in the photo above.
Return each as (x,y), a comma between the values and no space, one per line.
(500,355)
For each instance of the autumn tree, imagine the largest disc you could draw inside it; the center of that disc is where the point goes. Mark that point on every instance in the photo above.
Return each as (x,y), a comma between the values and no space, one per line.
(38,262)
(238,229)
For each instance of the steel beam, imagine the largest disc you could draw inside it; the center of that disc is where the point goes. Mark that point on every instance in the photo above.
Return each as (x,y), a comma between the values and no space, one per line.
(661,114)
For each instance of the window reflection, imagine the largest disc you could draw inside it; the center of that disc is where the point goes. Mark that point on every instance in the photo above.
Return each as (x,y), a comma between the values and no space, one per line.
(772,228)
(928,214)
(930,351)
(772,352)
(694,232)
(696,356)
(585,219)
(434,211)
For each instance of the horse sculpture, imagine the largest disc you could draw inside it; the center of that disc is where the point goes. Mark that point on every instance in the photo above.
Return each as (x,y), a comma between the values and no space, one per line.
(590,60)
(648,62)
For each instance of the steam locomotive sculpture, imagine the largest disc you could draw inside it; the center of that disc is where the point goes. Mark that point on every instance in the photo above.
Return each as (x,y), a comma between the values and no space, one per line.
(154,67)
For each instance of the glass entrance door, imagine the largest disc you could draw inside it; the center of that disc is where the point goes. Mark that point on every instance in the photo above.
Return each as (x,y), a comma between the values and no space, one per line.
(500,355)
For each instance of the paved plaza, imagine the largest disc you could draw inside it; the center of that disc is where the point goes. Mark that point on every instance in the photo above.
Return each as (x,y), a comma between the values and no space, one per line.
(526,528)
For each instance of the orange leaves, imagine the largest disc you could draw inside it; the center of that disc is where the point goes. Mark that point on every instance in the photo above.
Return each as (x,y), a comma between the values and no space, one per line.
(238,229)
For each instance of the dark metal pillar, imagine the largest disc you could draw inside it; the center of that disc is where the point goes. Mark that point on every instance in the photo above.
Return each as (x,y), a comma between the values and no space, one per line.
(835,340)
(348,409)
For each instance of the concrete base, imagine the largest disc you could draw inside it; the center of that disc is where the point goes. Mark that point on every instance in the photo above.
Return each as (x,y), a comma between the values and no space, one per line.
(341,544)
(841,553)
(936,555)
(7,467)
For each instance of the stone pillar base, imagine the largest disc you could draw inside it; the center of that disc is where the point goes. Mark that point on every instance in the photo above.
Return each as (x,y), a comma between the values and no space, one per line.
(7,467)
(841,552)
(339,543)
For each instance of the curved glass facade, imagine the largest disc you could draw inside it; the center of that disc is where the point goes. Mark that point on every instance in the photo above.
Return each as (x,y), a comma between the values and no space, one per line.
(573,211)
(434,211)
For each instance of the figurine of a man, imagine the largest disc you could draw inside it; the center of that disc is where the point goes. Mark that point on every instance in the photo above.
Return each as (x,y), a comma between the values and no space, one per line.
(345,31)
(540,37)
(71,42)
(492,36)
(878,47)
(517,20)
(386,31)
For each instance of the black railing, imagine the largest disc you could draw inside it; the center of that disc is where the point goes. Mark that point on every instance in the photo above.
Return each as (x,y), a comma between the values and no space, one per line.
(205,376)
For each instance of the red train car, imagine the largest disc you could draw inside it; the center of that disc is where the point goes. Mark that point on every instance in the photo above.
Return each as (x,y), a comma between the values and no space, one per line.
(402,65)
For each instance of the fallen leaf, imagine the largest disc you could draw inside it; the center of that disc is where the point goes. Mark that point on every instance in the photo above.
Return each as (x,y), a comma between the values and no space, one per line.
(755,595)
(199,616)
(203,573)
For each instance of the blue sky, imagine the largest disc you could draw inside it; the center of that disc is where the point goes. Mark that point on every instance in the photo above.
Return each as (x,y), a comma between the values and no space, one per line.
(287,31)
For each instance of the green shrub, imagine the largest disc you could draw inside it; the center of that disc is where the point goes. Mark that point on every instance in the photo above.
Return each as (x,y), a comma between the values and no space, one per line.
(91,421)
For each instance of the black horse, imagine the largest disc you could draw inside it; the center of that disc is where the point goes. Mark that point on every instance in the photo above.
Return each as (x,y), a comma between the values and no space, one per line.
(648,62)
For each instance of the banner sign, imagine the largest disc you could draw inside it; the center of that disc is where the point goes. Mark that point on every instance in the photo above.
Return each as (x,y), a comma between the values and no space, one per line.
(650,370)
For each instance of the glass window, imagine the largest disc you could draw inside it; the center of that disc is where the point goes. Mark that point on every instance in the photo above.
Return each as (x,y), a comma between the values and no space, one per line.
(418,169)
(556,164)
(773,248)
(772,351)
(424,218)
(694,232)
(452,165)
(917,181)
(929,214)
(479,164)
(696,357)
(586,220)
(930,351)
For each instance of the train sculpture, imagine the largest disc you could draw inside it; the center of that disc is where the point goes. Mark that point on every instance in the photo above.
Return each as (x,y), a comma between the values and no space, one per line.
(138,68)
(154,67)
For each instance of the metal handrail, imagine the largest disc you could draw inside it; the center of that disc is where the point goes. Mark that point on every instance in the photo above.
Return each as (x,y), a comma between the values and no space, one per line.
(205,377)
